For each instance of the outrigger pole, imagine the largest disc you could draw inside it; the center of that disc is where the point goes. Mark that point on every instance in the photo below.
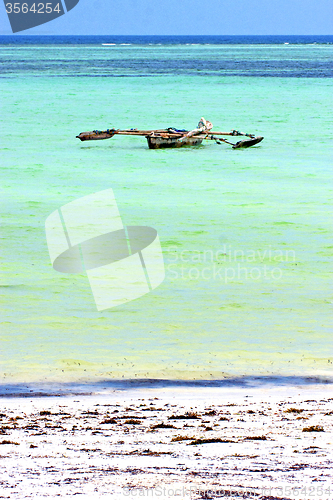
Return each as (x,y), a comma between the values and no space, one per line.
(97,135)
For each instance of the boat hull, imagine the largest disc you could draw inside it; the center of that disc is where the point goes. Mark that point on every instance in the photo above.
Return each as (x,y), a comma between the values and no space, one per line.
(158,142)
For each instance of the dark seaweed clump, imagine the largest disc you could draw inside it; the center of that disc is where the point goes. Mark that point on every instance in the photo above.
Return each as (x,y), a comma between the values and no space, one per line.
(188,415)
(313,428)
(211,440)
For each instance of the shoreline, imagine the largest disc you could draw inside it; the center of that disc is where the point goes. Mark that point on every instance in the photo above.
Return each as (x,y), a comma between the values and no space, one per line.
(100,386)
(196,442)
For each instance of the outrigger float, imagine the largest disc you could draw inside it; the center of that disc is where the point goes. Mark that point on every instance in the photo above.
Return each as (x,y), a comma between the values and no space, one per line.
(174,138)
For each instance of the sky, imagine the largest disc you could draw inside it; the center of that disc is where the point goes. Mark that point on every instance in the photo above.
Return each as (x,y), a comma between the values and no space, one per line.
(187,17)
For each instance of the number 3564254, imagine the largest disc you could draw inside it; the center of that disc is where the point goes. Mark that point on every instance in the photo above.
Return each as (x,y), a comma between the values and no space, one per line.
(36,8)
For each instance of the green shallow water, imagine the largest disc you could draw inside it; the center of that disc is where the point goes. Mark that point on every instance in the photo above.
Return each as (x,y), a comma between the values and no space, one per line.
(246,234)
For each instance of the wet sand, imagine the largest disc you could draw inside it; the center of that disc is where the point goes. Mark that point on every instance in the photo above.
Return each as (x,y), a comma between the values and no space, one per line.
(269,442)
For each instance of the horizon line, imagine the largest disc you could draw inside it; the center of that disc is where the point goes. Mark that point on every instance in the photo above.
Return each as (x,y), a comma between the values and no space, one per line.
(44,34)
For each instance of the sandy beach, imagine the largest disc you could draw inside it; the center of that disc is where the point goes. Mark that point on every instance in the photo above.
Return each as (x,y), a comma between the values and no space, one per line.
(199,443)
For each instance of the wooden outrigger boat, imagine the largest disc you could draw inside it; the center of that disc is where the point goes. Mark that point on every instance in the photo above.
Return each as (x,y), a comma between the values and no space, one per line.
(174,138)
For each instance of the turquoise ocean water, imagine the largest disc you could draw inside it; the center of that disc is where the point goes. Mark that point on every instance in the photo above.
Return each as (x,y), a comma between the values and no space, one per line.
(246,234)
